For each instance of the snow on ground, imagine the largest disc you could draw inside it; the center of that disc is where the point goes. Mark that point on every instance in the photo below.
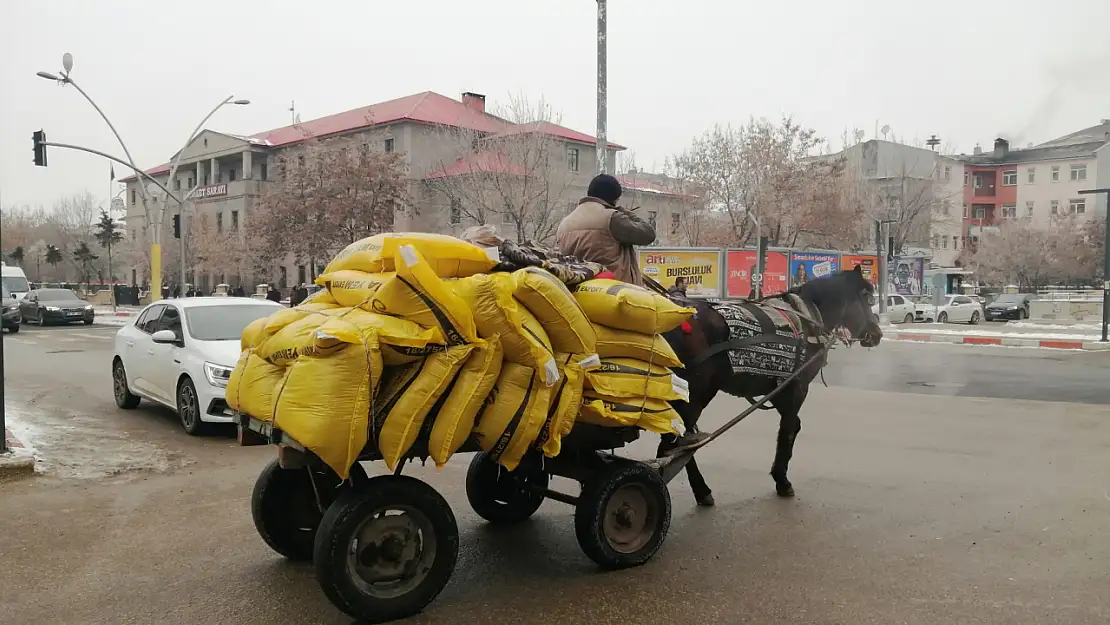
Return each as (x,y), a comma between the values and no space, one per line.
(110,320)
(1009,335)
(24,432)
(1054,326)
(107,310)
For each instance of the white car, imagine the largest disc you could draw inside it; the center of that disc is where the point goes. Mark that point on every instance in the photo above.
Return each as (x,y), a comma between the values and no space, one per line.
(959,309)
(180,353)
(899,309)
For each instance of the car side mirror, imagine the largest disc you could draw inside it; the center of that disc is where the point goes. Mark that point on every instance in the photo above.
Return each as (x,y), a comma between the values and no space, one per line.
(165,336)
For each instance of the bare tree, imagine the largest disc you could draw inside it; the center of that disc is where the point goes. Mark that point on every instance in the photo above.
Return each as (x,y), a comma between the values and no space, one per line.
(520,177)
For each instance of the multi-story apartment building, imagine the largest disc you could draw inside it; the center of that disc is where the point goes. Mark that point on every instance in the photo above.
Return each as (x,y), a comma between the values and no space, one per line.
(1038,183)
(234,171)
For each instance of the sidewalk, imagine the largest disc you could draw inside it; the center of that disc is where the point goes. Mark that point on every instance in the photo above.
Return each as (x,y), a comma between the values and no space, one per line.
(122,315)
(18,461)
(1004,336)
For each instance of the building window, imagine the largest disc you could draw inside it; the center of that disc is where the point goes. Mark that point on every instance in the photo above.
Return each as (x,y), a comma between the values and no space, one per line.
(980,212)
(235,221)
(676,221)
(967,177)
(456,212)
(1054,207)
(944,242)
(966,214)
(231,175)
(947,172)
(955,242)
(219,222)
(1031,175)
(1029,209)
(1009,177)
(1077,207)
(133,197)
(977,182)
(263,170)
(651,218)
(190,182)
(1009,211)
(1055,173)
(572,159)
(507,219)
(1078,172)
(176,183)
(132,235)
(389,146)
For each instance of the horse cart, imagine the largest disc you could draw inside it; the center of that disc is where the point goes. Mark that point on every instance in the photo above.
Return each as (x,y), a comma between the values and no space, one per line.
(384,547)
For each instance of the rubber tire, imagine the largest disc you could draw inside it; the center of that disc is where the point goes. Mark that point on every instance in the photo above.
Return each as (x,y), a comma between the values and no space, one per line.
(273,498)
(200,427)
(88,322)
(908,319)
(974,318)
(130,400)
(13,329)
(590,511)
(483,476)
(942,317)
(343,518)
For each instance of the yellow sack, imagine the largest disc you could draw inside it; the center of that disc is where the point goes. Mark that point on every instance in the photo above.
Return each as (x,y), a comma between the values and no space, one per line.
(254,334)
(497,313)
(325,404)
(409,397)
(625,377)
(253,386)
(565,406)
(628,307)
(653,415)
(401,341)
(552,303)
(353,288)
(653,348)
(447,256)
(295,339)
(456,416)
(513,415)
(418,295)
(321,297)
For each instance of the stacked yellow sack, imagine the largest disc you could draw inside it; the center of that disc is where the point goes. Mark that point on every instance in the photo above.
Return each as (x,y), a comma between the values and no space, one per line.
(634,382)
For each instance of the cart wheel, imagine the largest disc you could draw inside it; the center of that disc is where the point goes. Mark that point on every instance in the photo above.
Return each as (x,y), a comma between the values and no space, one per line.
(385,551)
(286,513)
(501,497)
(623,515)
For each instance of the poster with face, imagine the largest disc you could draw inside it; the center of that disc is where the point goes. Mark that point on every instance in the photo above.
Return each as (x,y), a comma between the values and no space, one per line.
(906,277)
(808,266)
(869,265)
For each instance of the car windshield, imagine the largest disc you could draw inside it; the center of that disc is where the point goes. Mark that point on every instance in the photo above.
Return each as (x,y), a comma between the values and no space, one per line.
(57,295)
(1010,298)
(223,323)
(16,284)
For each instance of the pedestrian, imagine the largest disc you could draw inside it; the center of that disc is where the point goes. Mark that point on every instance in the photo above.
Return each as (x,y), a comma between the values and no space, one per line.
(295,296)
(679,287)
(599,231)
(273,294)
(238,292)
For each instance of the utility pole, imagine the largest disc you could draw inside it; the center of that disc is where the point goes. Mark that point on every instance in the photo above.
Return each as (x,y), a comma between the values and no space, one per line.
(602,79)
(1105,263)
(3,410)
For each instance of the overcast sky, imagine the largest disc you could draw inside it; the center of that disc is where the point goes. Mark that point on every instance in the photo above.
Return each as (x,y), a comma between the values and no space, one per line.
(966,71)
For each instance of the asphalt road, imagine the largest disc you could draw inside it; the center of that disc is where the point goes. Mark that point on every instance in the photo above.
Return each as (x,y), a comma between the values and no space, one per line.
(911,508)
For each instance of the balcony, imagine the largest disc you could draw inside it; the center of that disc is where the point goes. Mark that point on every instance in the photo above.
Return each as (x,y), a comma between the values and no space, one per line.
(984,185)
(225,190)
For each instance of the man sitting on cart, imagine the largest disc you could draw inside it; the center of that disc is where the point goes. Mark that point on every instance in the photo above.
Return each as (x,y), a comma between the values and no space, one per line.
(599,231)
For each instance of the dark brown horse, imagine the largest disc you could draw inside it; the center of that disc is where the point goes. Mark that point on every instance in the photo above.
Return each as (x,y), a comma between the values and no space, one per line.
(721,358)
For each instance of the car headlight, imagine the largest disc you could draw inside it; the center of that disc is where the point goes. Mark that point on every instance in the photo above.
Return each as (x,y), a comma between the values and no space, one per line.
(88,307)
(52,309)
(217,375)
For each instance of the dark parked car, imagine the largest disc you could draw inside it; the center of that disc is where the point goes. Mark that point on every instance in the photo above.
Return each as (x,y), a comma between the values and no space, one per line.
(47,306)
(10,307)
(1009,306)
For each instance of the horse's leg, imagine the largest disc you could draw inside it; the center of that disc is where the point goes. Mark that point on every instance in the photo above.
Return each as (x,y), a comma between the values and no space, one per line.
(788,404)
(690,413)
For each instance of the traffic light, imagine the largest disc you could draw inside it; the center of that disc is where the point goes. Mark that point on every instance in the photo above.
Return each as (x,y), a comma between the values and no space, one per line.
(39,137)
(177,226)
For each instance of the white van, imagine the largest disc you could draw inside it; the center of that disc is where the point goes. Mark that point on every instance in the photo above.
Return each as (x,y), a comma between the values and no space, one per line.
(15,281)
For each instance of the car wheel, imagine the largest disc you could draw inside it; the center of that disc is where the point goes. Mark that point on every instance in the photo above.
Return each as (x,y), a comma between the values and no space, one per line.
(974,317)
(188,408)
(908,319)
(124,398)
(942,317)
(14,329)
(88,322)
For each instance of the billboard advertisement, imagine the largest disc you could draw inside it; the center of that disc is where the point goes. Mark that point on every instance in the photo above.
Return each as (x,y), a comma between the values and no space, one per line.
(868,263)
(906,275)
(701,268)
(741,267)
(806,266)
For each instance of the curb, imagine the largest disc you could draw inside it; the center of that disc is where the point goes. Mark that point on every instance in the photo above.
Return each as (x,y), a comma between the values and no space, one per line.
(919,337)
(14,466)
(115,314)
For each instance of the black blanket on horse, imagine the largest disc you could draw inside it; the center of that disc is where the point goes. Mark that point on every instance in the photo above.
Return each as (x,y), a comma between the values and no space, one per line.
(767,337)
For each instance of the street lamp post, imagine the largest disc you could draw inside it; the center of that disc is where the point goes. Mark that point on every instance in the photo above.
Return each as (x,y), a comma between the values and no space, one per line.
(602,148)
(1105,263)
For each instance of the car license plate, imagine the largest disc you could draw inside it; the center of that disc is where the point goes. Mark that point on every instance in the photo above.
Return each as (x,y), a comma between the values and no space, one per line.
(74,313)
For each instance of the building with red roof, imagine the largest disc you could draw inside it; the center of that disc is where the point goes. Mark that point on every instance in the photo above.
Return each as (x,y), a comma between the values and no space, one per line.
(463,163)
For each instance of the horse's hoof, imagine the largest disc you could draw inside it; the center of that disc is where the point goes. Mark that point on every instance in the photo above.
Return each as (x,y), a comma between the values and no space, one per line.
(706,501)
(785,491)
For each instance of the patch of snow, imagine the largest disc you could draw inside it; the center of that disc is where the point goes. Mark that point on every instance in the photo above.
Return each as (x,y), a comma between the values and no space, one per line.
(109,320)
(1046,336)
(1054,326)
(24,431)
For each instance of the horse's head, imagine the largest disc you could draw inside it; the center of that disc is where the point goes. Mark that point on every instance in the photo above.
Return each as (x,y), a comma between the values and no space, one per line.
(845,300)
